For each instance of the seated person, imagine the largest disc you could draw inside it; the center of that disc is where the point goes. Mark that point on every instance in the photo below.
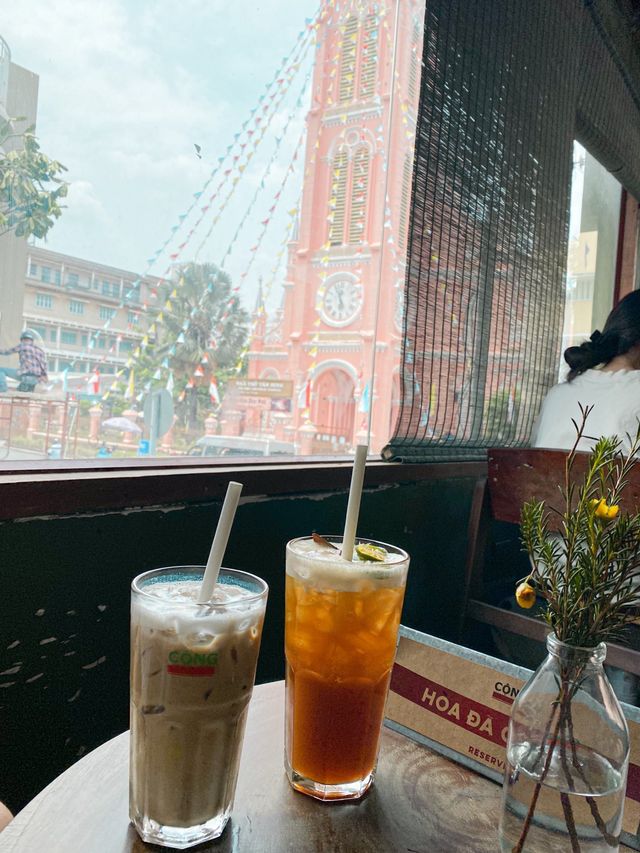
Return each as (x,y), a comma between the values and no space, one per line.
(605,374)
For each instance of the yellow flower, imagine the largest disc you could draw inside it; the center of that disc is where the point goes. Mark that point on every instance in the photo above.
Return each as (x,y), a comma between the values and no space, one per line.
(525,595)
(603,510)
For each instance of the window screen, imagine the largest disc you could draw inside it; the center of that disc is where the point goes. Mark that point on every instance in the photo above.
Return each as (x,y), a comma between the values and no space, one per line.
(484,296)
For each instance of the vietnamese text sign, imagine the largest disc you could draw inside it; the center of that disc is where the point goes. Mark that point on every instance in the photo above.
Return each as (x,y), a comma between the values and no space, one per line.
(263,387)
(458,701)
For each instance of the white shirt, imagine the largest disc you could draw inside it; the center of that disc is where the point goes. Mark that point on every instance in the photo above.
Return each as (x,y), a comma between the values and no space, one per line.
(615,397)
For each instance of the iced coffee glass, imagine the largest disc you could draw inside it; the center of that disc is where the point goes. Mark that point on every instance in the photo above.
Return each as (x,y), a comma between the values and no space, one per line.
(340,640)
(192,673)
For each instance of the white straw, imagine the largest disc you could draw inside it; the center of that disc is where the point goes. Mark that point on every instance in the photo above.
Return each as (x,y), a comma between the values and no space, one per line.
(353,507)
(219,543)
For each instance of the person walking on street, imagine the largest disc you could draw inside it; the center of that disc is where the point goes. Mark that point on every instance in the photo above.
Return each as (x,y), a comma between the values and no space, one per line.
(32,363)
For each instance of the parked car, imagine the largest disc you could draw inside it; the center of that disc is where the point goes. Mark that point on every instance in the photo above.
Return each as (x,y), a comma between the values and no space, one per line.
(240,445)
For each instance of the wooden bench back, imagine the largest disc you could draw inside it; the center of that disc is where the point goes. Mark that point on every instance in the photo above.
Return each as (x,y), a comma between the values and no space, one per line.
(515,476)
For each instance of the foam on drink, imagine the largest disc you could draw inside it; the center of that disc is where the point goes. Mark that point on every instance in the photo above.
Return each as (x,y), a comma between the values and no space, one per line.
(325,566)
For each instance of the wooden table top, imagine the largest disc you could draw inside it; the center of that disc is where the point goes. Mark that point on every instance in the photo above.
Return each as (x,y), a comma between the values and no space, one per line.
(420,803)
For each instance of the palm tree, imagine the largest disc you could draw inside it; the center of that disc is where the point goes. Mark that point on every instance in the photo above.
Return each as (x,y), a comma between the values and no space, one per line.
(203,329)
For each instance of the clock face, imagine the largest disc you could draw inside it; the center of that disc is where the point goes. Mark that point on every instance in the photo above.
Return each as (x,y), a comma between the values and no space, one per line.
(341,302)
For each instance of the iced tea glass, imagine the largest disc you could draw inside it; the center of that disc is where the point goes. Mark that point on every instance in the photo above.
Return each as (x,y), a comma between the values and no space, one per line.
(192,672)
(341,632)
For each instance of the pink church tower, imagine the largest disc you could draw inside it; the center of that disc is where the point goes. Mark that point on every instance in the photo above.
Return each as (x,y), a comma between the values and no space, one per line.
(345,275)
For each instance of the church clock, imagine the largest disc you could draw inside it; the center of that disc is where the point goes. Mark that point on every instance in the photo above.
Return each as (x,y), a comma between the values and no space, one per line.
(341,302)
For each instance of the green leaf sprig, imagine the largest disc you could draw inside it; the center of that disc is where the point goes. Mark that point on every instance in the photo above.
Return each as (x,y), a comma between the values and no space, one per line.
(589,574)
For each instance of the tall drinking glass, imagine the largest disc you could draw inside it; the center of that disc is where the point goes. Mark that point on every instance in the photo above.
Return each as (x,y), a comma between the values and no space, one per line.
(192,672)
(340,639)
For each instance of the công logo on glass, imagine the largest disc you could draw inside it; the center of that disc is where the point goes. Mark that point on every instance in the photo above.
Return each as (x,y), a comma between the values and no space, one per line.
(191,663)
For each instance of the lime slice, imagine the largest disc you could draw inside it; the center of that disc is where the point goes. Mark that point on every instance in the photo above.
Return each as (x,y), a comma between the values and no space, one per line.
(371,553)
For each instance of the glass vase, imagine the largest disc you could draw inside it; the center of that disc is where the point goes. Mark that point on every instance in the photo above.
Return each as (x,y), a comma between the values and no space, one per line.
(567,758)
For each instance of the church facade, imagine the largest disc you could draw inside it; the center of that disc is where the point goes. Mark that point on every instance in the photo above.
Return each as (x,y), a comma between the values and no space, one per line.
(329,358)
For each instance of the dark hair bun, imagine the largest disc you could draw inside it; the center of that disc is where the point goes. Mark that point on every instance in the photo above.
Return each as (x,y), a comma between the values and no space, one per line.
(581,358)
(598,349)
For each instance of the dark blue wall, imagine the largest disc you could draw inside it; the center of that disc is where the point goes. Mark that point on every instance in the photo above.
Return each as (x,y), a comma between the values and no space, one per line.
(64,641)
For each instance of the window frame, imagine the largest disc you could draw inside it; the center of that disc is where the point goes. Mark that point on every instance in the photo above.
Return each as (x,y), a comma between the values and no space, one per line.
(33,488)
(44,300)
(627,256)
(73,487)
(68,337)
(106,312)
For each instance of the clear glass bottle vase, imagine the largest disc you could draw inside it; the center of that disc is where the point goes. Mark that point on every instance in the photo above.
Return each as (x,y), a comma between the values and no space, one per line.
(567,758)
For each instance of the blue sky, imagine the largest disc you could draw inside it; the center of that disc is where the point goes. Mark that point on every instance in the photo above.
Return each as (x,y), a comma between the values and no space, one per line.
(126,89)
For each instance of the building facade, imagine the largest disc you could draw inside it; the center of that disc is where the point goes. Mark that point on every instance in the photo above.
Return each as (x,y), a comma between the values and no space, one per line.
(337,334)
(90,316)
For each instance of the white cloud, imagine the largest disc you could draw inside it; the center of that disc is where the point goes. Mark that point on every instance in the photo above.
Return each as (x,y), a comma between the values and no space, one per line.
(81,201)
(108,84)
(126,89)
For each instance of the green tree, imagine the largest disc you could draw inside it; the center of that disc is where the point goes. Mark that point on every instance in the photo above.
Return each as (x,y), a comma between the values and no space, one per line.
(204,328)
(30,184)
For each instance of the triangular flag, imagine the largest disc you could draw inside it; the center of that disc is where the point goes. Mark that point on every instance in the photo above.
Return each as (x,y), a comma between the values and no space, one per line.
(213,391)
(129,393)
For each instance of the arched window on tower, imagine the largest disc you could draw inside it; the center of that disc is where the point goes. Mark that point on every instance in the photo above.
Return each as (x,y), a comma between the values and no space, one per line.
(359,41)
(348,60)
(369,63)
(349,195)
(338,200)
(359,193)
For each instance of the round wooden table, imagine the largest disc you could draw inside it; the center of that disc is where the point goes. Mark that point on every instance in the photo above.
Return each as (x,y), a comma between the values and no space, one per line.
(420,803)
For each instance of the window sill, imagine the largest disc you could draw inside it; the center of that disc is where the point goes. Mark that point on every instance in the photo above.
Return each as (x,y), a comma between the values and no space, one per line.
(64,488)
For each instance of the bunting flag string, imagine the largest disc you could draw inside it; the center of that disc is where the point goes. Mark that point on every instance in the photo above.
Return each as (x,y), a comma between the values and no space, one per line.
(288,62)
(217,331)
(311,26)
(265,223)
(241,160)
(274,272)
(288,67)
(254,250)
(284,76)
(261,185)
(232,175)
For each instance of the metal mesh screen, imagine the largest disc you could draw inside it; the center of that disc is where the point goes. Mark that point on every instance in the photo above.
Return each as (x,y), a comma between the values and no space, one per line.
(488,232)
(608,110)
